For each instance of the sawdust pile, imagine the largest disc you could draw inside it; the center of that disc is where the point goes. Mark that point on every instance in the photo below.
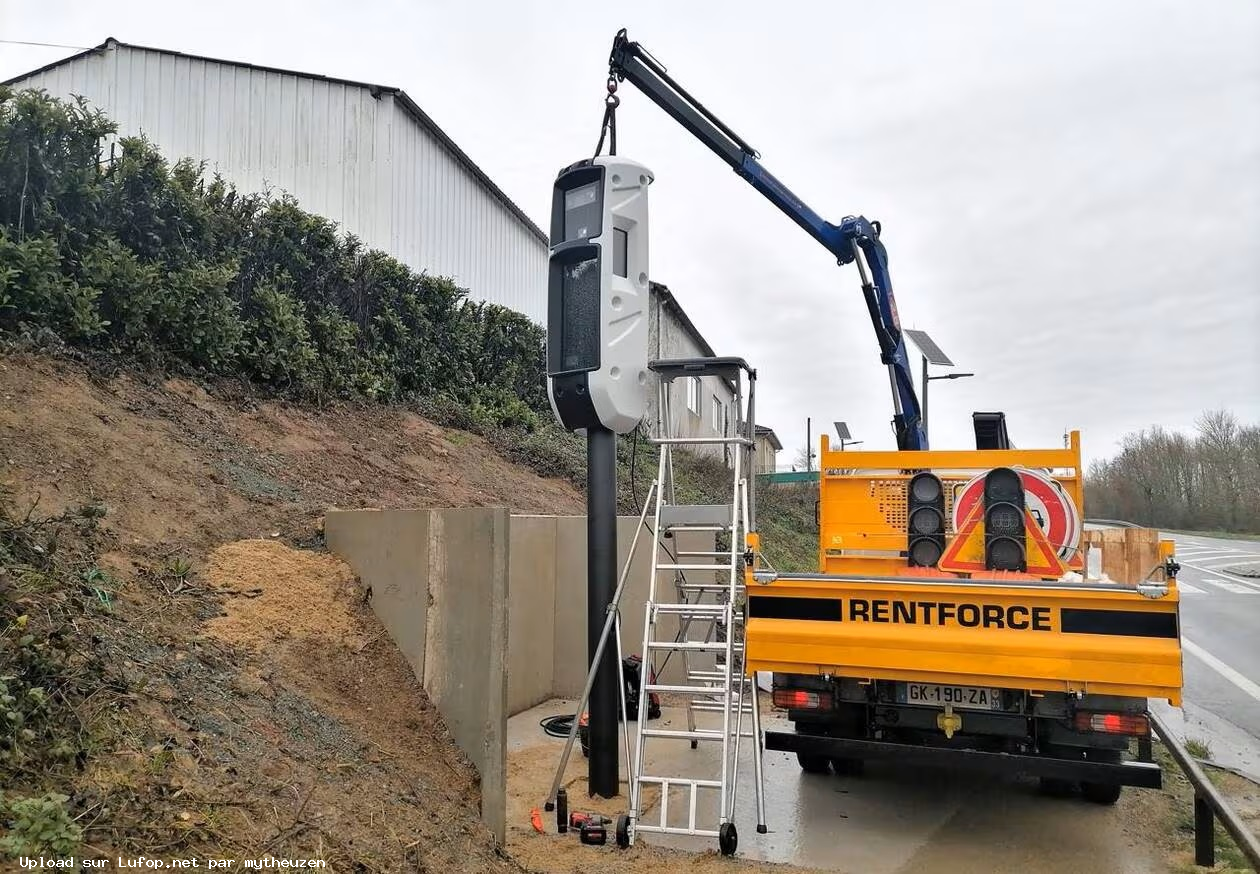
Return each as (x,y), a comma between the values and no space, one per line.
(275,593)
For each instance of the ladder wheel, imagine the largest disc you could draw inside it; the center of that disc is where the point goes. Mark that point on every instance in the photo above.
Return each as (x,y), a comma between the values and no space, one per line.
(728,839)
(623,831)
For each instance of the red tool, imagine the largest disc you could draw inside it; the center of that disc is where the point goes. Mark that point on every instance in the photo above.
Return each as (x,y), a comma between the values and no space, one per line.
(593,833)
(577,819)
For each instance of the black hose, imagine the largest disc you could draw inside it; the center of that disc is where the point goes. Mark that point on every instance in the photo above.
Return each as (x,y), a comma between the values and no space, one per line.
(558,726)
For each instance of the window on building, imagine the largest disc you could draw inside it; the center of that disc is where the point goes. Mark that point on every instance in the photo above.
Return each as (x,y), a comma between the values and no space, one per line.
(717,415)
(693,394)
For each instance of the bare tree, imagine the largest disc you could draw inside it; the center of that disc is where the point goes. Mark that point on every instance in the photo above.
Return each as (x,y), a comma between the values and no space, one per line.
(1210,481)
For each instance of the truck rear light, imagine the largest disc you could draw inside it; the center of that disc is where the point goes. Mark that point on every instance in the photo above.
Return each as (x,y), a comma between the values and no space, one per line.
(800,699)
(1112,723)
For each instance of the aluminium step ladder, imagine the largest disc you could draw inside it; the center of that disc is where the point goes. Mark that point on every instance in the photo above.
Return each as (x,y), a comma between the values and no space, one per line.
(708,608)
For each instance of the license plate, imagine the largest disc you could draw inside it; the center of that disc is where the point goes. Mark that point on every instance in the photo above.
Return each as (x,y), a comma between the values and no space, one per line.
(966,697)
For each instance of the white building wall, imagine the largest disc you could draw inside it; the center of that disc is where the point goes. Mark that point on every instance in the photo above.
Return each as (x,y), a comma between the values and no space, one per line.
(361,160)
(669,338)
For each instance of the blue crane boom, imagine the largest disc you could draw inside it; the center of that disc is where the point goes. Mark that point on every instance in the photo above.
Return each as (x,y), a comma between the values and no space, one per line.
(854,239)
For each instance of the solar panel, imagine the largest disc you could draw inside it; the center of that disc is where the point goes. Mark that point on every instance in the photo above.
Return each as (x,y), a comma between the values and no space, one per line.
(928,347)
(842,431)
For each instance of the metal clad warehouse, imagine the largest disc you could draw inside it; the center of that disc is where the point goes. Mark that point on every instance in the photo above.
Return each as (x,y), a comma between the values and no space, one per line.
(363,155)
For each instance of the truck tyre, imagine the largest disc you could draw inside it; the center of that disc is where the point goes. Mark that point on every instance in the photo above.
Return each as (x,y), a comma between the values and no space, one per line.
(1055,787)
(848,767)
(813,764)
(1101,793)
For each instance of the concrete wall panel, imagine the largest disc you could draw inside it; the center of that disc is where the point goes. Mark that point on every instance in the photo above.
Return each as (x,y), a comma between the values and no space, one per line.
(465,653)
(531,611)
(439,582)
(389,550)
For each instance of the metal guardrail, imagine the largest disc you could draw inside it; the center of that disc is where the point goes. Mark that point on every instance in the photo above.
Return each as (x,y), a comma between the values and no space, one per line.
(1119,523)
(1209,805)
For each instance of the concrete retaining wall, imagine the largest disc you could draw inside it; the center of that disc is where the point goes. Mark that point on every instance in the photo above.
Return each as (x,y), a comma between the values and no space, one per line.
(439,582)
(490,611)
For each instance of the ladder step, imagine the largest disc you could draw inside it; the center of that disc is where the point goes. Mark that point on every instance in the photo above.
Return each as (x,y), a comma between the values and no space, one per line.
(696,514)
(708,691)
(690,554)
(693,567)
(718,706)
(680,781)
(716,610)
(687,645)
(675,830)
(713,528)
(683,734)
(707,676)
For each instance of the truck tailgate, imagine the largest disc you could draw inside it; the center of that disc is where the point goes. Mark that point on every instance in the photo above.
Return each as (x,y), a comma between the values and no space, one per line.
(1060,637)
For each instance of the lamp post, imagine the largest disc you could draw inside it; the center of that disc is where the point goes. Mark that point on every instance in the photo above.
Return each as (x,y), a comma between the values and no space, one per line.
(932,354)
(842,431)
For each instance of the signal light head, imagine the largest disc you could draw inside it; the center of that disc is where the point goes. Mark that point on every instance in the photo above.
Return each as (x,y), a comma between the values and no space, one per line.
(926,488)
(1004,518)
(1003,484)
(925,520)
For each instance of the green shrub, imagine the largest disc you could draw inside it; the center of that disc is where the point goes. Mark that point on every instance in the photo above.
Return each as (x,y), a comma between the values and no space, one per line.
(277,348)
(150,259)
(39,825)
(34,290)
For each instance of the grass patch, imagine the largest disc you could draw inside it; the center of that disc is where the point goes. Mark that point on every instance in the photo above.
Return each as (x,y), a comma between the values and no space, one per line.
(57,702)
(1200,749)
(1180,821)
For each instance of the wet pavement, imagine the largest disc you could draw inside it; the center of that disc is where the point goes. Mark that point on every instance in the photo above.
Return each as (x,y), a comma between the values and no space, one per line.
(1220,627)
(891,820)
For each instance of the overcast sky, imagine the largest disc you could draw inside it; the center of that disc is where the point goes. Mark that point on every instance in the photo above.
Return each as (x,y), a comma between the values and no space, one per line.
(1070,192)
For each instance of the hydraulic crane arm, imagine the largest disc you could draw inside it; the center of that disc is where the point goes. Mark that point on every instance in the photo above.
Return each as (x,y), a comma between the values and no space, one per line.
(854,239)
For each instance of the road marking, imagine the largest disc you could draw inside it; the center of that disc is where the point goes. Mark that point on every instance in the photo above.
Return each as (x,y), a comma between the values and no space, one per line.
(1215,570)
(1187,589)
(1236,588)
(1221,668)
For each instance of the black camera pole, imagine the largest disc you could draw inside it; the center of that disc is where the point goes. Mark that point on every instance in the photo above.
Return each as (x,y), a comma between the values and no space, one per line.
(601,580)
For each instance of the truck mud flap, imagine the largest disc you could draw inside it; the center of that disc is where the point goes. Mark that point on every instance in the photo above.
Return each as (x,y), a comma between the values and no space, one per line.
(1144,774)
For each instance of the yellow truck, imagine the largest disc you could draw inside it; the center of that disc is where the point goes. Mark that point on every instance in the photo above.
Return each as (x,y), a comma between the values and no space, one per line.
(939,627)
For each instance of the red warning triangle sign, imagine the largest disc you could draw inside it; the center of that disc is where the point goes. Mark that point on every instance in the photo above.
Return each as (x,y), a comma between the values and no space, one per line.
(966,553)
(1043,559)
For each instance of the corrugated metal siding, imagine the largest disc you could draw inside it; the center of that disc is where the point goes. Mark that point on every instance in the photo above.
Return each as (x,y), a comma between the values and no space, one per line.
(363,161)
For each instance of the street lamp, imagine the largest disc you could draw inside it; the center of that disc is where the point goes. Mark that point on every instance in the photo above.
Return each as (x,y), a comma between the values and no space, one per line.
(932,354)
(842,431)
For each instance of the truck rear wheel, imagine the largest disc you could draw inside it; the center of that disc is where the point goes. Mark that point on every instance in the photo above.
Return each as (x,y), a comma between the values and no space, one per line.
(1101,793)
(813,764)
(848,767)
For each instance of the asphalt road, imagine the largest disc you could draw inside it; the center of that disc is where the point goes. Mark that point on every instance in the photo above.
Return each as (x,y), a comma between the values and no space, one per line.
(1220,627)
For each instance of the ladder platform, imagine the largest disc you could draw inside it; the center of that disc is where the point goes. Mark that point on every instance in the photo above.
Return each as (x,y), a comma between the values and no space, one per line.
(727,367)
(696,514)
(684,566)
